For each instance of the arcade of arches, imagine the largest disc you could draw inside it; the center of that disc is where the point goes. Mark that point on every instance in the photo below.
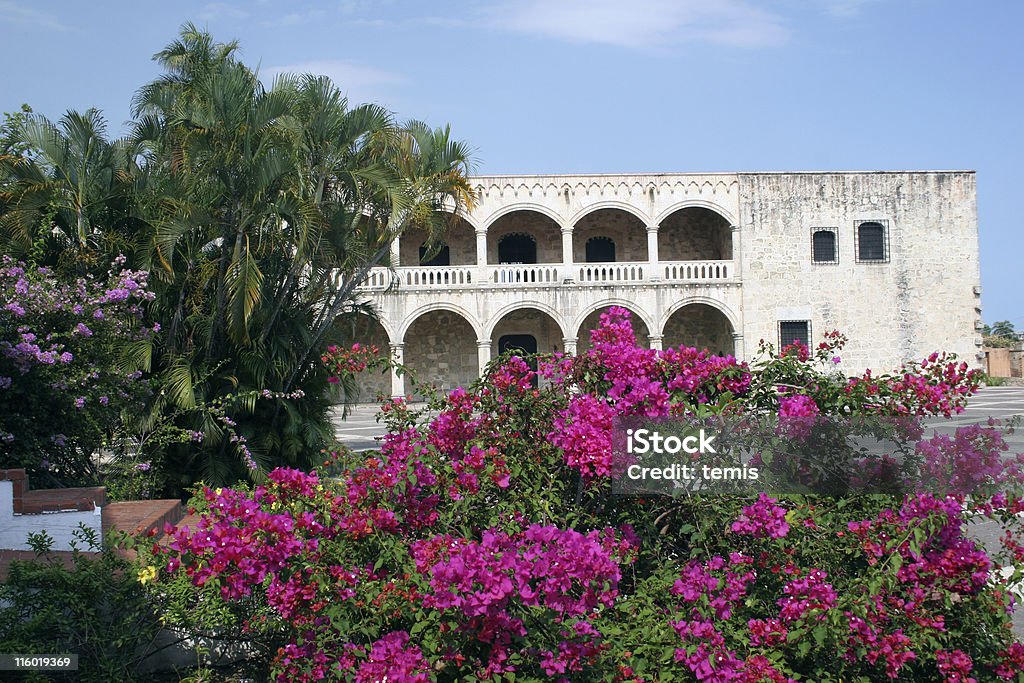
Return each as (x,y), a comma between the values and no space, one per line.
(445,346)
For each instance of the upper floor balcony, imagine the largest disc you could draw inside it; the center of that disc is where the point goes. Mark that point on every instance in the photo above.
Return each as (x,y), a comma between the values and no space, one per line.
(548,275)
(527,248)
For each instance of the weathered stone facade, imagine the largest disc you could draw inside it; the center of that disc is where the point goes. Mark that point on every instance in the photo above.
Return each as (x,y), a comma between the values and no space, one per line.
(710,260)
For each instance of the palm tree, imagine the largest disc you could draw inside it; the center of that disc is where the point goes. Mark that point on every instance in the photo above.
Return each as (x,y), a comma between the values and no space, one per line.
(1003,328)
(73,186)
(267,207)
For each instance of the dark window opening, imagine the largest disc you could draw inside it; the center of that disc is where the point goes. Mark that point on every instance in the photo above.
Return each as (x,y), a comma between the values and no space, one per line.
(823,244)
(792,331)
(441,258)
(871,242)
(521,343)
(600,250)
(517,248)
(525,344)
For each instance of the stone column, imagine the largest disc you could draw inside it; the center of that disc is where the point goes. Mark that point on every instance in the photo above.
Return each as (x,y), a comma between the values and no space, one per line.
(481,255)
(397,381)
(652,253)
(737,254)
(395,253)
(569,345)
(737,345)
(656,340)
(481,247)
(483,354)
(567,259)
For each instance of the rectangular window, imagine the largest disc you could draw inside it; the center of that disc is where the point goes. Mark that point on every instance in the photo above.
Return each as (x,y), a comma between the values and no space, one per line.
(872,241)
(824,245)
(791,331)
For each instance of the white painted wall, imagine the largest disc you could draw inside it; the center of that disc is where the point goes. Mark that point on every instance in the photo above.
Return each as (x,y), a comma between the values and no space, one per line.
(14,529)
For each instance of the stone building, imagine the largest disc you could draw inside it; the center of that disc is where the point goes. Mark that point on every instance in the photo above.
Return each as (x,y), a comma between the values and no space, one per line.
(715,260)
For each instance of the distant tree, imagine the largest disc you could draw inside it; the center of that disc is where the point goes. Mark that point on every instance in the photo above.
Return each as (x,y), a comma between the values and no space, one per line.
(999,335)
(1003,328)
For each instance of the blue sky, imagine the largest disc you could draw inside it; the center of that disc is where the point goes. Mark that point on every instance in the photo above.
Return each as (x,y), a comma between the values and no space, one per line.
(608,86)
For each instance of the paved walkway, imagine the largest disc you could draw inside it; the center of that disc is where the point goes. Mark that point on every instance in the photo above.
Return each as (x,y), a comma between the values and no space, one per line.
(360,430)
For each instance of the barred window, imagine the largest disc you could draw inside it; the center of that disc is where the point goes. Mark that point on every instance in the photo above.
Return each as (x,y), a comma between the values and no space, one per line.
(792,331)
(872,242)
(823,246)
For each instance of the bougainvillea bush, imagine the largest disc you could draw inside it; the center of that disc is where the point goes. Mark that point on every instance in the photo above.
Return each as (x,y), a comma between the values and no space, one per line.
(63,384)
(483,543)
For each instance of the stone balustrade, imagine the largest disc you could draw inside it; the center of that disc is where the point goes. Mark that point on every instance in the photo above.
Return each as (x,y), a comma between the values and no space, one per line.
(549,274)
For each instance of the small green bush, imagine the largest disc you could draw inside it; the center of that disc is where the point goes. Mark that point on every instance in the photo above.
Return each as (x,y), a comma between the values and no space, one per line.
(96,609)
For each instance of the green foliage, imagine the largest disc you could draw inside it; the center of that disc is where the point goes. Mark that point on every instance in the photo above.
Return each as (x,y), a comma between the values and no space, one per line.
(1000,335)
(95,608)
(257,212)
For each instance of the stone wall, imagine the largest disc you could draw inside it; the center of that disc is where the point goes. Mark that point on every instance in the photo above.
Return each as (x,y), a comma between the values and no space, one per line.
(440,348)
(461,241)
(699,326)
(627,231)
(547,233)
(370,383)
(60,513)
(532,322)
(695,234)
(924,298)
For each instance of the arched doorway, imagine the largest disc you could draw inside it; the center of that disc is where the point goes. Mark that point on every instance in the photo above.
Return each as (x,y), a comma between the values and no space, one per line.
(600,250)
(526,331)
(517,247)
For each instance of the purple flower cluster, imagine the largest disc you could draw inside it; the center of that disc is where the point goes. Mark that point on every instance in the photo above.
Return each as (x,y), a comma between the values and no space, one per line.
(762,519)
(59,367)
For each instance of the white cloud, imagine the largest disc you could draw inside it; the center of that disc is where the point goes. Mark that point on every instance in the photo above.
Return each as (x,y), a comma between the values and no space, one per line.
(19,14)
(643,23)
(361,83)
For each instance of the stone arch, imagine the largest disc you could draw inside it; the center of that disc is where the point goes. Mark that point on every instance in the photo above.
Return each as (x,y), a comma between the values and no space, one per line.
(551,312)
(545,230)
(440,347)
(526,319)
(700,324)
(611,204)
(714,303)
(695,233)
(699,203)
(625,228)
(403,330)
(520,206)
(589,320)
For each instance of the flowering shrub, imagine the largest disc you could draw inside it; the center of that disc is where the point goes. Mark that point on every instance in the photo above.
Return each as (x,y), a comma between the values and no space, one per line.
(61,385)
(483,542)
